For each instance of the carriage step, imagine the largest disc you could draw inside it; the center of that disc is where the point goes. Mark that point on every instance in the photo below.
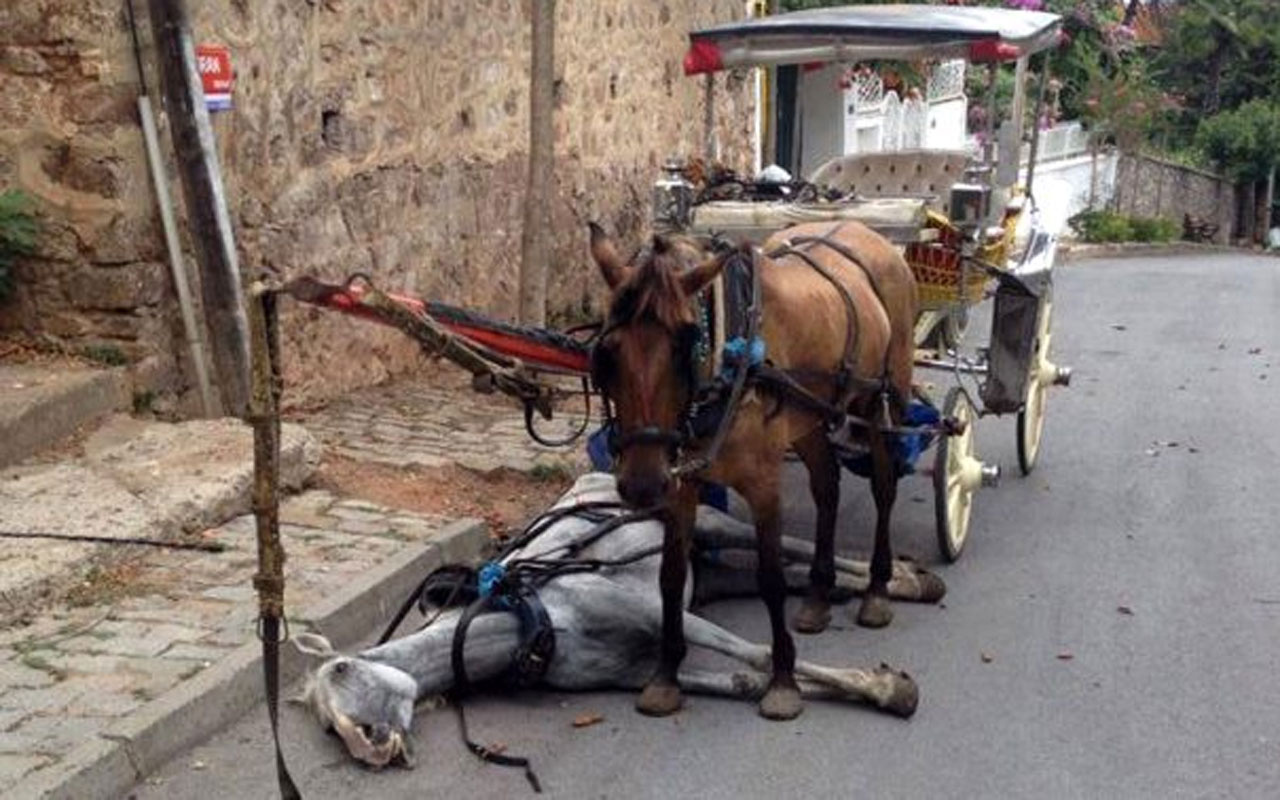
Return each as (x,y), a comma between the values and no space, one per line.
(1063,377)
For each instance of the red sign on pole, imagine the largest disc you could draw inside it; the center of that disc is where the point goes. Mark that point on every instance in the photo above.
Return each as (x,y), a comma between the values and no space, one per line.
(214,63)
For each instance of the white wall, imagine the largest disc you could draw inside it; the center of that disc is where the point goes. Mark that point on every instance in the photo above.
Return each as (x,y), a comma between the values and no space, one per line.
(1062,187)
(945,126)
(821,117)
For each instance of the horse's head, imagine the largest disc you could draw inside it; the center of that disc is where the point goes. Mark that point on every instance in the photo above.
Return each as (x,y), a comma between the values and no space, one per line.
(644,360)
(369,705)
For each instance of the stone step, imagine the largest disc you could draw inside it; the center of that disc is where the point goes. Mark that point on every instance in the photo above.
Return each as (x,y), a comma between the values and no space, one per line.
(40,405)
(147,479)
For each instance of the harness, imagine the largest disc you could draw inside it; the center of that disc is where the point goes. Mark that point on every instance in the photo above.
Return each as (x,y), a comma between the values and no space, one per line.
(713,406)
(511,586)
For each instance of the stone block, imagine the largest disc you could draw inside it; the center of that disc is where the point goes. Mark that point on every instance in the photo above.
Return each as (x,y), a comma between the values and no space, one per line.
(118,288)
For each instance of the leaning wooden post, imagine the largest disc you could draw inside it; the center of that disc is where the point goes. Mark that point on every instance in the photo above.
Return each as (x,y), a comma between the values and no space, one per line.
(264,415)
(205,201)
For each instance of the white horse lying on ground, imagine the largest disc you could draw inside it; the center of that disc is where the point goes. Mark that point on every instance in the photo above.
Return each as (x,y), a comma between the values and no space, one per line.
(607,625)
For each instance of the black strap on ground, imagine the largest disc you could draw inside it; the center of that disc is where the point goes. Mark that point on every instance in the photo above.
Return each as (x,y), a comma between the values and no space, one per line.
(270,634)
(462,685)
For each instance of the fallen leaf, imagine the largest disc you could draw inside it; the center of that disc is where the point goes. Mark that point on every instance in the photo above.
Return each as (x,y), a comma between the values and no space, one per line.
(1151,451)
(1115,326)
(1170,444)
(1253,351)
(1128,612)
(585,720)
(198,765)
(497,748)
(1065,656)
(1222,345)
(987,658)
(1193,450)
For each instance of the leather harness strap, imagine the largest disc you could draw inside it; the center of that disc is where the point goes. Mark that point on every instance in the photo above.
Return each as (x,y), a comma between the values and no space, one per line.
(848,383)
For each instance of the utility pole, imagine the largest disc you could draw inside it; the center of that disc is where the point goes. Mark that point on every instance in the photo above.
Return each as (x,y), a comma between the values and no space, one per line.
(535,239)
(206,202)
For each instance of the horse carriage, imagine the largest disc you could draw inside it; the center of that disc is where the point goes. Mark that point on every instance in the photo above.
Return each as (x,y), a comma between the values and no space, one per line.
(970,230)
(957,232)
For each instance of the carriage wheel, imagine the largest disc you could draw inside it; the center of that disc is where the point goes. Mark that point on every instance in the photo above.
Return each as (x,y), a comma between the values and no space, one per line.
(956,476)
(1043,375)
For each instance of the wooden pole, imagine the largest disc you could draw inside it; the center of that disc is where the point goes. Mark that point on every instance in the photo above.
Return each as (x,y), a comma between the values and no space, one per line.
(535,238)
(206,202)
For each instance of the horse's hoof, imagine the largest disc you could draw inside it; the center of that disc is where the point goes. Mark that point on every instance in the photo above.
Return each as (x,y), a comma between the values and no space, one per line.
(905,697)
(813,617)
(875,611)
(659,699)
(931,587)
(781,702)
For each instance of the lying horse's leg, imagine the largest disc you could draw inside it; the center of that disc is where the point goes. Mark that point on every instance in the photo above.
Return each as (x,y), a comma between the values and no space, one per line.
(824,485)
(868,687)
(875,611)
(884,688)
(782,700)
(661,696)
(719,531)
(732,574)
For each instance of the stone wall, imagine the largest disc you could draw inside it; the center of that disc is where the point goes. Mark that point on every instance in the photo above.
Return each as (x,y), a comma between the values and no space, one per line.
(1151,187)
(377,136)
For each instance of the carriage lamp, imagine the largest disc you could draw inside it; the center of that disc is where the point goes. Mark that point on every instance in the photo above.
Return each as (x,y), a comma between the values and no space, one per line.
(970,204)
(672,198)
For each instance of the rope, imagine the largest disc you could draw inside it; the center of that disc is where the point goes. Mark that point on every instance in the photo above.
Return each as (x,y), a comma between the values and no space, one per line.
(207,547)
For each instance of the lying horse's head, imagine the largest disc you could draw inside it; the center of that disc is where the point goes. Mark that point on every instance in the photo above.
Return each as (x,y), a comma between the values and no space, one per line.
(369,705)
(644,361)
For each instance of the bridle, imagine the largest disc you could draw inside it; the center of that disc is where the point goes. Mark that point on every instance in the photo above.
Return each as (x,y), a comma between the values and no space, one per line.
(678,438)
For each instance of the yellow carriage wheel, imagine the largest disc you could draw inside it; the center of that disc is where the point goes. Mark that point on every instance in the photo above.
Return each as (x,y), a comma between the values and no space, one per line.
(956,476)
(1041,377)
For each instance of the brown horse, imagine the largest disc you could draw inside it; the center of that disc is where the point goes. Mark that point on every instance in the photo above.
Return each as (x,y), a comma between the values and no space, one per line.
(836,300)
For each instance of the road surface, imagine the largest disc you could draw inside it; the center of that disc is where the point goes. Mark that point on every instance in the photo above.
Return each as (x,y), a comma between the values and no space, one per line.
(1127,595)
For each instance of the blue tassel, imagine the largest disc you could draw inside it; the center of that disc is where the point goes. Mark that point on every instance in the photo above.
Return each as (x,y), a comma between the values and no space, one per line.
(737,348)
(491,574)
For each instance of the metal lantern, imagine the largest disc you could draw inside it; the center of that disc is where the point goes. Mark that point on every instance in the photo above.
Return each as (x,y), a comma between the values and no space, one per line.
(672,198)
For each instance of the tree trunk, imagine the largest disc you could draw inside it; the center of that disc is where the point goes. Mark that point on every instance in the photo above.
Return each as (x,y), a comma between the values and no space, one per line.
(1269,197)
(535,239)
(1250,216)
(206,203)
(1131,12)
(1213,94)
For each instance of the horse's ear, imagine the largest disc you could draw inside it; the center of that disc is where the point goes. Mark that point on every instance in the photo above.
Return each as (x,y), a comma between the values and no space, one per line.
(696,279)
(313,644)
(606,257)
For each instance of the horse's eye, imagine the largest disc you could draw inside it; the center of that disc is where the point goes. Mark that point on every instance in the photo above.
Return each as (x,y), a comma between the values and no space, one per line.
(340,667)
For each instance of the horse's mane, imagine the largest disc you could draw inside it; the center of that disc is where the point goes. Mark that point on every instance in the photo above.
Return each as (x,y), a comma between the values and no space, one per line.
(653,292)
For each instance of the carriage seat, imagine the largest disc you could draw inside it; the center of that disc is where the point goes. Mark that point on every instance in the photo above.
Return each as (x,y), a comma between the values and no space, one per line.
(926,174)
(900,220)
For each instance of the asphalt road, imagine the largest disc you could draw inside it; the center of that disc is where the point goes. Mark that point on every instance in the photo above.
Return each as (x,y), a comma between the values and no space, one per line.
(1156,492)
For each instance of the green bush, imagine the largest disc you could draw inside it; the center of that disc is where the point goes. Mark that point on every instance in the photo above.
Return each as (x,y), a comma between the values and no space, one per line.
(1108,226)
(17,235)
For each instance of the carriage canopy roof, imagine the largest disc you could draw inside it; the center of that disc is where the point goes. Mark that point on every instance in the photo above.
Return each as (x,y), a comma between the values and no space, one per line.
(856,33)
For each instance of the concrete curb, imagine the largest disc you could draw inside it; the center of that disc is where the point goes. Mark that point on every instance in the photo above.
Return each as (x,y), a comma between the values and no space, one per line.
(108,765)
(1081,252)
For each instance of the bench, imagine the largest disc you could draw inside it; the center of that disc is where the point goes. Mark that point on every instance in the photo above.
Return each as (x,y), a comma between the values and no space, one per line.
(1195,229)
